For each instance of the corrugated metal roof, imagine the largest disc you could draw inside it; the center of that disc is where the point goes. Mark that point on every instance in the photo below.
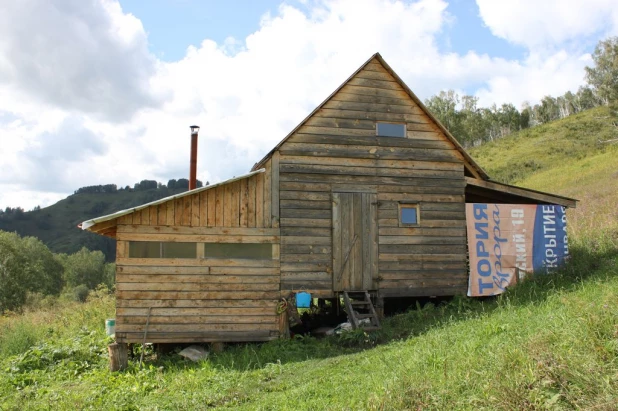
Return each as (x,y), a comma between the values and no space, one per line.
(89,223)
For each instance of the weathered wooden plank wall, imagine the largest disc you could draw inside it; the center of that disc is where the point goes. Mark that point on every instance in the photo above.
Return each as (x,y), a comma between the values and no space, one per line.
(201,299)
(337,150)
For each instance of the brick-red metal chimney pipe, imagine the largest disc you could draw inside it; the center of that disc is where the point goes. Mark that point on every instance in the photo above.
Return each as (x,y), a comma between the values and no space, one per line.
(193,162)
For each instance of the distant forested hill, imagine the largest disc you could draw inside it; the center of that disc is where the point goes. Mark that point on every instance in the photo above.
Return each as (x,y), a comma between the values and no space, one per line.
(56,225)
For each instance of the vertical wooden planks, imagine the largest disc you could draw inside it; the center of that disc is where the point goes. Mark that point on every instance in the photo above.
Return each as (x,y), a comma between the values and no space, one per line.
(235,208)
(373,240)
(267,195)
(137,217)
(145,216)
(370,240)
(259,200)
(162,214)
(178,209)
(211,207)
(251,201)
(195,210)
(186,212)
(153,215)
(203,208)
(366,244)
(346,241)
(219,204)
(275,189)
(227,205)
(200,250)
(169,213)
(122,249)
(337,253)
(356,256)
(244,202)
(276,251)
(354,241)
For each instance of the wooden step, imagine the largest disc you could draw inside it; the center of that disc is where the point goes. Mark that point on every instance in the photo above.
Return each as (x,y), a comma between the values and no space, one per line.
(359,303)
(356,317)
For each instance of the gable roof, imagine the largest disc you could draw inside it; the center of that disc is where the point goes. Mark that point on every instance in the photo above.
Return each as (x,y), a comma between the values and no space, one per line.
(472,166)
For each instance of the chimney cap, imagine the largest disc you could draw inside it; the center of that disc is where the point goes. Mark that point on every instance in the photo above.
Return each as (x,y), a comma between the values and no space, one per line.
(194,129)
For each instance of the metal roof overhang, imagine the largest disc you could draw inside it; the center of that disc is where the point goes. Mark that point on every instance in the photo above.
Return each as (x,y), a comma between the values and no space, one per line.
(483,191)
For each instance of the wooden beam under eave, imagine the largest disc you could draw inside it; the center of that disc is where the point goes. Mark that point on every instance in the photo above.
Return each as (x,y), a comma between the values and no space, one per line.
(535,195)
(105,227)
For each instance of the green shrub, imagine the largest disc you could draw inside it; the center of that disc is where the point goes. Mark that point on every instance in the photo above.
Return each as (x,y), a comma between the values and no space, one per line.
(80,293)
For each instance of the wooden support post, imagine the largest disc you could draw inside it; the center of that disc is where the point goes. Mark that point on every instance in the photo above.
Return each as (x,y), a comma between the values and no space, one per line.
(380,307)
(217,347)
(118,357)
(284,325)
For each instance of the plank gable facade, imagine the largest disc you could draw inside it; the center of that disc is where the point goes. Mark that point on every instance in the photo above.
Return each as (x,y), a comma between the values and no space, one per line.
(335,152)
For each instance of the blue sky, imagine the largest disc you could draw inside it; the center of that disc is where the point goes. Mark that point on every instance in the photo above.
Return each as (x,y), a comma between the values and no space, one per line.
(172,25)
(103,91)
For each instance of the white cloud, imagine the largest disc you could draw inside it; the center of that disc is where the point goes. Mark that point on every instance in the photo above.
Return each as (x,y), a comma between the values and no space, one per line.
(78,55)
(546,23)
(82,102)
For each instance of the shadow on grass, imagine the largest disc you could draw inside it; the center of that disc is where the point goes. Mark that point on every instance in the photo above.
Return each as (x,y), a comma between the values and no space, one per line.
(588,263)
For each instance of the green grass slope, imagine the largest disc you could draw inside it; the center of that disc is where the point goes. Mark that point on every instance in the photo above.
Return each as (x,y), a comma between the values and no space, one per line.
(576,157)
(549,343)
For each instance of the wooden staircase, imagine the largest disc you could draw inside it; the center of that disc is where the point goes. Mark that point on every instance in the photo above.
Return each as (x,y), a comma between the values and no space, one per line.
(359,306)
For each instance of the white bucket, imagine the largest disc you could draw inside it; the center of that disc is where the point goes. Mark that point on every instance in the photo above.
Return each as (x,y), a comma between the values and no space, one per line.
(110,327)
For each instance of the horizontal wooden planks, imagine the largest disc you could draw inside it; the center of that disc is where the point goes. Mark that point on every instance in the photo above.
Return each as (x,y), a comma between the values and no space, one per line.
(370,152)
(249,302)
(241,285)
(197,336)
(190,262)
(200,238)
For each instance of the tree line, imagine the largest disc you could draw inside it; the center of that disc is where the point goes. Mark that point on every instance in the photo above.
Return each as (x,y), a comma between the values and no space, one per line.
(28,268)
(173,184)
(473,125)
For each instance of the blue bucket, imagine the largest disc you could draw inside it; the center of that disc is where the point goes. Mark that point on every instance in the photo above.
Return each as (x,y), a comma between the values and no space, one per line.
(303,300)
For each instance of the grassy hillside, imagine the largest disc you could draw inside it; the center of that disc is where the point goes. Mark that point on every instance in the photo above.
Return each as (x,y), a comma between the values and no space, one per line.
(56,225)
(571,157)
(549,343)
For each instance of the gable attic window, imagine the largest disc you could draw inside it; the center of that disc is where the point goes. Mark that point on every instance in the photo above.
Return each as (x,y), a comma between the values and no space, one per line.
(390,130)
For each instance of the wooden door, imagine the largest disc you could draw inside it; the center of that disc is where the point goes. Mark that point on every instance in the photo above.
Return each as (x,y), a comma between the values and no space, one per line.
(355,241)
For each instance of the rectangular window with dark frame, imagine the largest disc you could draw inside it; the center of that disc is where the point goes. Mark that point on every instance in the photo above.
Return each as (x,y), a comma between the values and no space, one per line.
(243,251)
(408,214)
(158,249)
(390,130)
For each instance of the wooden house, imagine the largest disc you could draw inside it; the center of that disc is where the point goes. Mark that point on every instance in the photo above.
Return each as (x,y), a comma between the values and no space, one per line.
(367,193)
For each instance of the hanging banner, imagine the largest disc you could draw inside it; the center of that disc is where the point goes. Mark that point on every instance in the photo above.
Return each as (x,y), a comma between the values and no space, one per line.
(508,241)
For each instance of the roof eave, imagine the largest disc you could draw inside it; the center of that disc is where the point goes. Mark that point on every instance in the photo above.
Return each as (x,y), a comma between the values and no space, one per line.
(88,224)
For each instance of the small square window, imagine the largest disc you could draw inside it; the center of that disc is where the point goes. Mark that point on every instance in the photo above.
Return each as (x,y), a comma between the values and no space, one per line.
(390,130)
(408,214)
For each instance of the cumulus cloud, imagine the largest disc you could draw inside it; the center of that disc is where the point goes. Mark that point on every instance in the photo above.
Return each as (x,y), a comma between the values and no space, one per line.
(54,160)
(78,55)
(82,101)
(548,23)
